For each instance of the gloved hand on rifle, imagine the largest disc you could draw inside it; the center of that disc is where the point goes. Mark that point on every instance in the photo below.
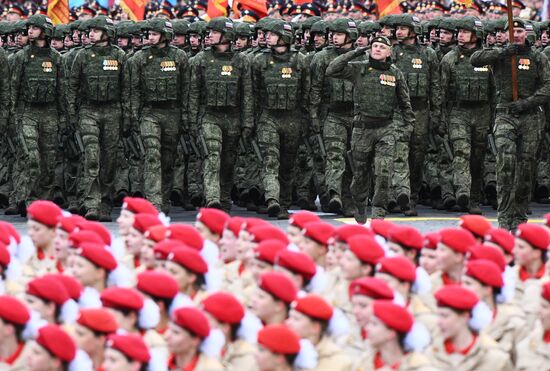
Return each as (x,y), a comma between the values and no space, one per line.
(246,133)
(519,106)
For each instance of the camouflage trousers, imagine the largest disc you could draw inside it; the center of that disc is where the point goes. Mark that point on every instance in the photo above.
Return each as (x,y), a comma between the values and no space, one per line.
(468,130)
(517,141)
(129,174)
(279,134)
(160,130)
(410,150)
(100,129)
(372,145)
(38,128)
(221,131)
(337,137)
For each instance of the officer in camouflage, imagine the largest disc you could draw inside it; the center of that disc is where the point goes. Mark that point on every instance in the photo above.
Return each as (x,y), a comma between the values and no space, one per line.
(280,81)
(378,87)
(467,91)
(159,90)
(220,107)
(97,78)
(517,124)
(35,103)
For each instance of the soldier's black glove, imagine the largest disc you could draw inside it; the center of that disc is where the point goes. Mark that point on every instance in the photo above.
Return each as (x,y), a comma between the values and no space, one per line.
(362,50)
(519,106)
(315,126)
(246,133)
(126,129)
(512,49)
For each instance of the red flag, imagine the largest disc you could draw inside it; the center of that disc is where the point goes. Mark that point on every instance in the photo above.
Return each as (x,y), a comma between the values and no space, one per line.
(386,7)
(217,8)
(58,11)
(258,6)
(134,8)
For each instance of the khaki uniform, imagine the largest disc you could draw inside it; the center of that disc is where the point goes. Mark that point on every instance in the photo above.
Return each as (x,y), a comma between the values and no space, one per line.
(485,355)
(411,361)
(208,364)
(423,312)
(240,356)
(240,284)
(331,357)
(533,353)
(35,267)
(156,343)
(20,363)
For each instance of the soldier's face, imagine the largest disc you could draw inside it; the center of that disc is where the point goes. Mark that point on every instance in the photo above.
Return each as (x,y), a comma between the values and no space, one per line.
(380,51)
(68,42)
(544,37)
(123,42)
(491,39)
(136,41)
(520,35)
(22,40)
(386,31)
(241,42)
(154,37)
(57,44)
(445,37)
(215,37)
(34,32)
(115,361)
(272,39)
(402,32)
(362,41)
(178,40)
(95,35)
(339,38)
(261,37)
(40,359)
(502,37)
(194,40)
(319,40)
(466,37)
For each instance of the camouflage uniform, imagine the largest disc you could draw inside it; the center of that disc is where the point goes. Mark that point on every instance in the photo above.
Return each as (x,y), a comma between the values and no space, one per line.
(159,103)
(97,77)
(220,105)
(6,157)
(378,88)
(279,86)
(35,102)
(517,125)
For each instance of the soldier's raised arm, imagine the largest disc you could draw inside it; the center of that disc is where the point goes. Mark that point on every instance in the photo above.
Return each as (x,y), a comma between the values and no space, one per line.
(341,68)
(488,56)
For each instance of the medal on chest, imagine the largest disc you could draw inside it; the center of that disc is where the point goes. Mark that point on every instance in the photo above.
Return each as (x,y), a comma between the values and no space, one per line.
(110,65)
(481,69)
(523,64)
(387,80)
(226,70)
(416,63)
(168,66)
(47,66)
(286,72)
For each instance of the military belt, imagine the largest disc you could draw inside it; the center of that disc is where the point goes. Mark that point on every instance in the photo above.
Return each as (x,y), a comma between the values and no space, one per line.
(371,124)
(163,104)
(342,107)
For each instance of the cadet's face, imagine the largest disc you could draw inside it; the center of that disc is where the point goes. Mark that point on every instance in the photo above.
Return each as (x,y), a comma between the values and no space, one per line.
(294,234)
(300,323)
(39,359)
(265,359)
(524,253)
(134,241)
(380,51)
(125,221)
(178,339)
(258,267)
(445,36)
(147,254)
(262,304)
(450,322)
(544,314)
(474,285)
(84,271)
(40,234)
(361,308)
(34,32)
(61,244)
(379,334)
(86,340)
(115,361)
(351,266)
(228,246)
(446,257)
(428,260)
(38,305)
(154,37)
(520,35)
(314,249)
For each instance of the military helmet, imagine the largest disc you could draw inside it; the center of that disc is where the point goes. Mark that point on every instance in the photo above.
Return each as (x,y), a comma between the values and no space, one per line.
(181,26)
(83,26)
(243,29)
(366,28)
(160,25)
(389,20)
(123,29)
(60,31)
(433,23)
(488,27)
(281,28)
(448,24)
(500,24)
(344,25)
(319,27)
(41,21)
(262,23)
(198,27)
(411,21)
(308,23)
(103,23)
(18,27)
(74,25)
(470,23)
(544,26)
(223,25)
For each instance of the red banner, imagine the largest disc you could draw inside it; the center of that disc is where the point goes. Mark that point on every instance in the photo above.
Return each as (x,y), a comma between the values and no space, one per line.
(134,8)
(386,7)
(58,11)
(217,8)
(258,6)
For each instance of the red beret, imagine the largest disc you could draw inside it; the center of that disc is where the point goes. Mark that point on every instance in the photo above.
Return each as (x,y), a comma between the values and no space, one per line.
(5,257)
(193,320)
(253,222)
(132,346)
(365,249)
(45,212)
(399,267)
(406,236)
(98,228)
(56,341)
(345,231)
(224,307)
(456,297)
(268,249)
(48,288)
(10,231)
(71,284)
(214,219)
(431,240)
(313,306)
(164,248)
(491,253)
(546,291)
(486,272)
(547,219)
(297,262)
(138,205)
(534,234)
(279,339)
(374,288)
(476,224)
(157,284)
(301,218)
(279,286)
(189,259)
(76,239)
(142,222)
(319,232)
(121,298)
(394,316)
(156,233)
(459,240)
(13,311)
(235,224)
(187,234)
(502,238)
(381,227)
(267,232)
(69,223)
(98,255)
(98,320)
